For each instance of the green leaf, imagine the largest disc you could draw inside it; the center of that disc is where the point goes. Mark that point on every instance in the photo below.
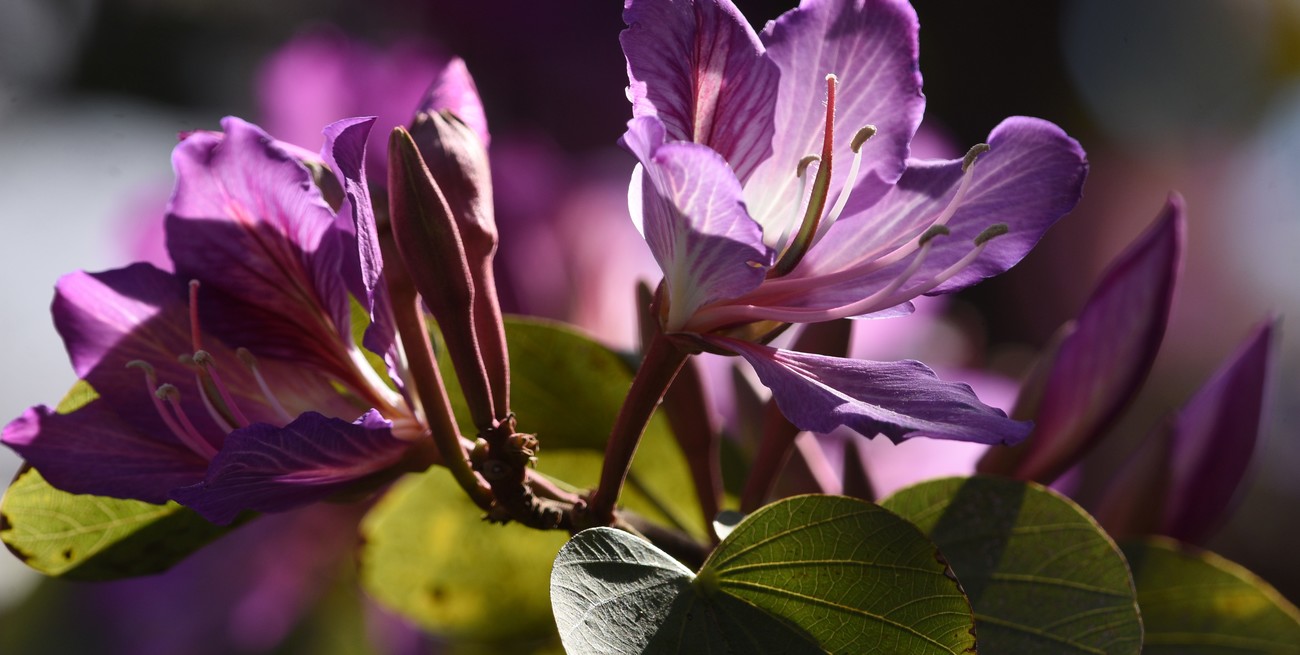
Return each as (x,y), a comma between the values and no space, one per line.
(429,555)
(567,389)
(1197,603)
(810,574)
(1042,575)
(85,537)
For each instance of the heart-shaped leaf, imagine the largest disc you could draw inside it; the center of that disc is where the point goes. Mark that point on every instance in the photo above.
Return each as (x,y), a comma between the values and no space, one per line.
(809,574)
(1197,603)
(1041,574)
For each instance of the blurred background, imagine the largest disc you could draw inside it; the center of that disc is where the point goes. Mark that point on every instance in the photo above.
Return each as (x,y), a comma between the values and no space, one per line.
(1198,96)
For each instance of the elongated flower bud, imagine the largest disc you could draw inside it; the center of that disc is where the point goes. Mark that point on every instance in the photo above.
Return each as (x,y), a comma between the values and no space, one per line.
(430,246)
(457,159)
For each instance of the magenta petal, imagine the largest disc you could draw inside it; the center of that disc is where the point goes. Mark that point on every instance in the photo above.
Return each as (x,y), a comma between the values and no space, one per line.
(900,400)
(694,220)
(453,90)
(94,450)
(871,46)
(247,221)
(698,66)
(268,469)
(1100,366)
(1213,440)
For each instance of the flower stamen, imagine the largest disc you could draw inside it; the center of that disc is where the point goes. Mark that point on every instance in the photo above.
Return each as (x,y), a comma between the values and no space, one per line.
(215,391)
(866,132)
(250,362)
(189,434)
(179,425)
(801,173)
(803,240)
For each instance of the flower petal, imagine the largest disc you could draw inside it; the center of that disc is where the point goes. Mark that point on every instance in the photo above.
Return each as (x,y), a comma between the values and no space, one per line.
(345,153)
(1030,177)
(111,318)
(268,469)
(1103,362)
(247,221)
(693,218)
(871,46)
(453,90)
(900,400)
(94,450)
(698,66)
(1214,438)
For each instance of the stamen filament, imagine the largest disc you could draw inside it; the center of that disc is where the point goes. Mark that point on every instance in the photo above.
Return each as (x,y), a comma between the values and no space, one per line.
(216,392)
(801,173)
(195,339)
(889,296)
(155,396)
(817,200)
(876,260)
(250,361)
(851,181)
(187,433)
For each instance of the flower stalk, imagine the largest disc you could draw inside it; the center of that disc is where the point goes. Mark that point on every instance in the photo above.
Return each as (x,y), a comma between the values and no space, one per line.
(663,359)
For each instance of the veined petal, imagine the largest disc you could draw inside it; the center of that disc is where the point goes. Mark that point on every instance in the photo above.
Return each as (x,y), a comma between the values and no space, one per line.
(453,90)
(693,218)
(95,450)
(247,221)
(871,46)
(139,313)
(1103,362)
(1030,177)
(1214,438)
(699,67)
(268,469)
(345,153)
(900,400)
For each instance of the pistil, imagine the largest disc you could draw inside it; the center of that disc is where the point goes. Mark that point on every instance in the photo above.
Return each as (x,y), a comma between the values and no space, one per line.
(817,200)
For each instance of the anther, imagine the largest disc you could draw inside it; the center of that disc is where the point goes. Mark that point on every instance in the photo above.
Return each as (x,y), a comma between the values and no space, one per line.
(991,232)
(863,133)
(184,428)
(934,231)
(219,399)
(975,151)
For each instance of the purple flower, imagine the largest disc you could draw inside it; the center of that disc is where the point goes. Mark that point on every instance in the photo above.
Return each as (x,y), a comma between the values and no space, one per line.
(743,195)
(234,383)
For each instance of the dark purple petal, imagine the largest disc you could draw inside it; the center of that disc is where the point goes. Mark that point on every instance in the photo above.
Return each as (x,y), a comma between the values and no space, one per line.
(692,216)
(1214,438)
(111,318)
(247,221)
(871,46)
(94,450)
(1103,362)
(698,66)
(900,400)
(345,152)
(268,469)
(1031,176)
(453,90)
